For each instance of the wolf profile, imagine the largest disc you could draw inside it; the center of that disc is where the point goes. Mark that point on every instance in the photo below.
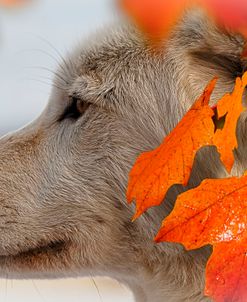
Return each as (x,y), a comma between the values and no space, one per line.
(64,176)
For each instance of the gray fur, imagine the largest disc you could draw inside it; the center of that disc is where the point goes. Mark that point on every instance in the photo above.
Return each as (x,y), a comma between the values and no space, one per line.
(63,181)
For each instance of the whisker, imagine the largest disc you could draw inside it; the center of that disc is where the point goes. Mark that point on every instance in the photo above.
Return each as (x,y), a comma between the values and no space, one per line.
(51,81)
(121,285)
(54,49)
(45,53)
(38,291)
(59,75)
(6,286)
(67,62)
(48,84)
(97,288)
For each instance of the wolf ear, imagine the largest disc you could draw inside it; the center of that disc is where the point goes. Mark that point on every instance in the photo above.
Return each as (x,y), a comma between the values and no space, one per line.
(221,56)
(209,51)
(214,46)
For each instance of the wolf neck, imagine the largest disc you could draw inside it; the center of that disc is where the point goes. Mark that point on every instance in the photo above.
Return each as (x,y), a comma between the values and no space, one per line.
(155,280)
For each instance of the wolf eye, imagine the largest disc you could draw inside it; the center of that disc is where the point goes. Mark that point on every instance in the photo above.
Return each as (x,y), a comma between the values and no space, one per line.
(75,110)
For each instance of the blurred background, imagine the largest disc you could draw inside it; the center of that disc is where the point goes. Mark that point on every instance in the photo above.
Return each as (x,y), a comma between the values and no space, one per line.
(33,37)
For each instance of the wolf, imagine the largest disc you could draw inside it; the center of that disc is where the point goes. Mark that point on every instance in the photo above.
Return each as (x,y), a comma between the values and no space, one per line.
(63,209)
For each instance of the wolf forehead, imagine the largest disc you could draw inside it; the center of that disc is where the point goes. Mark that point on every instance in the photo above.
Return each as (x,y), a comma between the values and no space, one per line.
(110,67)
(120,57)
(107,57)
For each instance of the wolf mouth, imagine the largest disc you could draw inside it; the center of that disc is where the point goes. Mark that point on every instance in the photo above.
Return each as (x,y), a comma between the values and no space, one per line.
(55,247)
(45,261)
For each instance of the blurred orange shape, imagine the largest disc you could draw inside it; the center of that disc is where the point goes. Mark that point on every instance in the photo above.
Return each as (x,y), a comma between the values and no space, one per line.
(229,13)
(155,17)
(12,3)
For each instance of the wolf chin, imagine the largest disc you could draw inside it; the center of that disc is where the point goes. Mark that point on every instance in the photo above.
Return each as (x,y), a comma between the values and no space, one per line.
(63,209)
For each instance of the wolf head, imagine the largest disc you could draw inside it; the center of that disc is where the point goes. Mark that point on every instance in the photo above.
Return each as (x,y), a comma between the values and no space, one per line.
(63,177)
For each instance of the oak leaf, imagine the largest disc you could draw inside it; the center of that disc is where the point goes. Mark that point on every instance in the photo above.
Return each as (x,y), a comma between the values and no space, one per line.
(226,273)
(231,107)
(156,171)
(214,213)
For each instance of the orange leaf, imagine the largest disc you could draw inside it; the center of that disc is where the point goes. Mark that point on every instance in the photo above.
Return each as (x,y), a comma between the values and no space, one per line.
(198,210)
(171,163)
(231,106)
(214,213)
(226,273)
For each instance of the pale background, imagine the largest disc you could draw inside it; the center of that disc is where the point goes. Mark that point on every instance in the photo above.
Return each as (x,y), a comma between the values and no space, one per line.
(24,90)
